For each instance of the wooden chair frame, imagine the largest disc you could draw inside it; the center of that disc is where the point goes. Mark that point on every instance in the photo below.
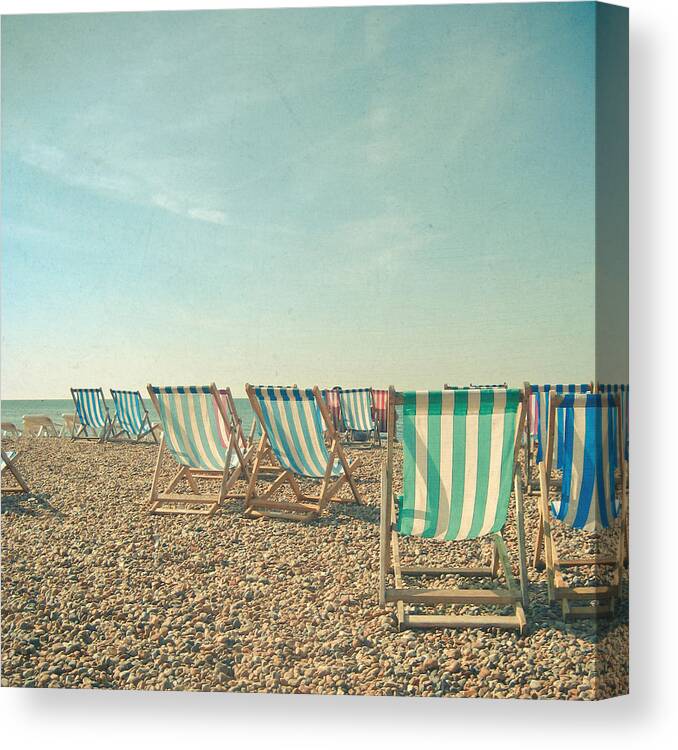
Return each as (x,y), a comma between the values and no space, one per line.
(18,485)
(606,596)
(164,502)
(81,430)
(147,428)
(514,594)
(303,507)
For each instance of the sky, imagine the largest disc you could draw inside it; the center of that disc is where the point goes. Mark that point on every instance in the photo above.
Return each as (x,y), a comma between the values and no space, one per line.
(353,196)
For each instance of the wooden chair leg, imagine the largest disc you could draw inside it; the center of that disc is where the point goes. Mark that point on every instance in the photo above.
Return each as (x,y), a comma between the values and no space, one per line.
(537,560)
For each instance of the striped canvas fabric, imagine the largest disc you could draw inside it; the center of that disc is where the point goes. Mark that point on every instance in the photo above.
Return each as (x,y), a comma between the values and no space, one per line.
(380,407)
(294,426)
(542,395)
(225,427)
(458,462)
(331,399)
(129,410)
(190,422)
(588,498)
(623,391)
(356,409)
(90,406)
(534,415)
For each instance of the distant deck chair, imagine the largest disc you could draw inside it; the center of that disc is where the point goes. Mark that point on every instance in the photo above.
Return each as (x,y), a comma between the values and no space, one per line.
(536,430)
(380,408)
(131,417)
(71,421)
(39,425)
(472,386)
(17,482)
(293,421)
(587,497)
(460,453)
(357,414)
(92,414)
(331,398)
(10,430)
(202,432)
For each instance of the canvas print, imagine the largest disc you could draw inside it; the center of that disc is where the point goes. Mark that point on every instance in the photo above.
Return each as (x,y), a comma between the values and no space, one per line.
(315,351)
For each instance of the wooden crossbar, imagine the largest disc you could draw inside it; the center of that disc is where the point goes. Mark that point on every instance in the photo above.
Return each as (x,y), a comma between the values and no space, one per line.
(503,622)
(489,597)
(423,570)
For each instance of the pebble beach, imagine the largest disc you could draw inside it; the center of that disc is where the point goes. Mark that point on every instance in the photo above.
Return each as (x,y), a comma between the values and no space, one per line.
(98,593)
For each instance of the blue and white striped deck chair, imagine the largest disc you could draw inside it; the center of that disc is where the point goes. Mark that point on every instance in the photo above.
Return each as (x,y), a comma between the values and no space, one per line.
(92,414)
(623,391)
(590,497)
(460,458)
(543,395)
(202,436)
(293,421)
(8,464)
(357,413)
(131,416)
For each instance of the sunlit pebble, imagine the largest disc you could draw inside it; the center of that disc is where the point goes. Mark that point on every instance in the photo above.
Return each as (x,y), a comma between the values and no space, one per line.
(98,593)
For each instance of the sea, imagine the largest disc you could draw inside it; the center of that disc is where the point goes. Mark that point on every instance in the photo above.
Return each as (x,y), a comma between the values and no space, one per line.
(13,410)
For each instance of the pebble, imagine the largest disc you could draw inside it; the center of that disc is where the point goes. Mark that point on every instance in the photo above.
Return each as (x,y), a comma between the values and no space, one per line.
(98,593)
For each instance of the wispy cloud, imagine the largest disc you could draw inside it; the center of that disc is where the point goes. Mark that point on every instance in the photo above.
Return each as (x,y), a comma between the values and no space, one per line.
(182,207)
(99,175)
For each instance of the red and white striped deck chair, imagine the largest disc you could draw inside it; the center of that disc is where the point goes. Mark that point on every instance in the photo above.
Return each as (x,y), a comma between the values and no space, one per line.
(331,398)
(380,407)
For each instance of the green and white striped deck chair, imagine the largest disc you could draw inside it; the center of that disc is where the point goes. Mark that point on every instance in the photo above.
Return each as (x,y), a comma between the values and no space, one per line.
(201,432)
(591,496)
(92,413)
(357,414)
(293,421)
(460,451)
(8,466)
(131,417)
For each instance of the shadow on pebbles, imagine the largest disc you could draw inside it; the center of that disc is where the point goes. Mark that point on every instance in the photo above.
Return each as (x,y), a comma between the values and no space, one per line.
(96,592)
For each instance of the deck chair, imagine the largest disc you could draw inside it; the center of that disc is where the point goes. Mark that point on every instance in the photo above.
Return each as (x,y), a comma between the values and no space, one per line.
(357,414)
(292,420)
(587,497)
(623,391)
(10,430)
(460,452)
(8,466)
(131,417)
(448,387)
(331,398)
(39,425)
(536,428)
(380,408)
(201,431)
(71,422)
(92,415)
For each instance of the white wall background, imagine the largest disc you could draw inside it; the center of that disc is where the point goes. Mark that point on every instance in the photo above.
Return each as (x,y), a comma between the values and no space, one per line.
(74,719)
